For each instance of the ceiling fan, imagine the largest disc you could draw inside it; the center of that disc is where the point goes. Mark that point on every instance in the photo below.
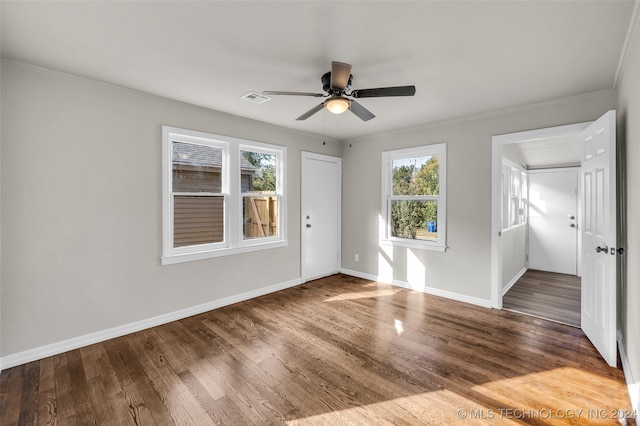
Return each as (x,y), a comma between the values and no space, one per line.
(337,85)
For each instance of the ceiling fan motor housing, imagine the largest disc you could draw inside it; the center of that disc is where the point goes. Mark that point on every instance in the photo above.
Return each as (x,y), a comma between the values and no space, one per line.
(326,85)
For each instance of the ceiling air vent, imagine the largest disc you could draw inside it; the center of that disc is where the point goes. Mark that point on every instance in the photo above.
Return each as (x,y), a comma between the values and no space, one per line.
(256,98)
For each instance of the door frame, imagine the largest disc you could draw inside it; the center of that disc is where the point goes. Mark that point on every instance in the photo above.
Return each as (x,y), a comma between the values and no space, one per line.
(304,155)
(496,192)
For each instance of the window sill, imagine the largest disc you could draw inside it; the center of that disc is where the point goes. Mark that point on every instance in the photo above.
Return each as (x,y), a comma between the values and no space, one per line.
(419,245)
(201,255)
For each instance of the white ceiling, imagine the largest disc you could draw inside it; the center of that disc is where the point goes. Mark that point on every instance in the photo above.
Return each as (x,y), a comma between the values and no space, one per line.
(565,151)
(464,57)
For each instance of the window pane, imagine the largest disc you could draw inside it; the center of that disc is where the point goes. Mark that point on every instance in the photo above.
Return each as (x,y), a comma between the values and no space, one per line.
(514,210)
(416,175)
(515,183)
(196,168)
(258,172)
(506,198)
(260,217)
(414,219)
(197,220)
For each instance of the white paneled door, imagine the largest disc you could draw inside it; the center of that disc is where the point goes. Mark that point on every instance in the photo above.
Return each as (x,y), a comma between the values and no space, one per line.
(553,220)
(321,186)
(599,236)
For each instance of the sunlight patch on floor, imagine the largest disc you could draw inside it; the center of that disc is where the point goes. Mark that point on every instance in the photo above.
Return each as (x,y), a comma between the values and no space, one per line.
(534,396)
(364,294)
(441,407)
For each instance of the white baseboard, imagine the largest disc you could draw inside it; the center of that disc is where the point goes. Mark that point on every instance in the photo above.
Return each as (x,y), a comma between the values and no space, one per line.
(359,274)
(429,290)
(632,384)
(24,357)
(514,280)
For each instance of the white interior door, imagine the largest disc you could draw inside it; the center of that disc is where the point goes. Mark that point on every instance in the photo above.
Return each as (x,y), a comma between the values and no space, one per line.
(599,238)
(553,211)
(321,185)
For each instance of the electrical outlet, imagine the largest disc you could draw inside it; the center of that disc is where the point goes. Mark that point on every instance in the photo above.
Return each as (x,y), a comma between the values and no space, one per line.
(357,258)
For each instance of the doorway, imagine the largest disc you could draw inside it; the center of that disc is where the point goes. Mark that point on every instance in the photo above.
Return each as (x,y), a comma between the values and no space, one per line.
(543,146)
(599,230)
(540,237)
(550,288)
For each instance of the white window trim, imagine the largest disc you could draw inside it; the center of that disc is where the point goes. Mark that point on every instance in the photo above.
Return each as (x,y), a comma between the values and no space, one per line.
(280,154)
(233,242)
(385,210)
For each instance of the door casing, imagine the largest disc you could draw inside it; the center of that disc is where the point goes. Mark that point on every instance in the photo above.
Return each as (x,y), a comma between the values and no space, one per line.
(496,193)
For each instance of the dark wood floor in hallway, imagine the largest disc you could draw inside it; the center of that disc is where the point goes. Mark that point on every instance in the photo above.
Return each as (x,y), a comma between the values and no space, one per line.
(339,350)
(546,295)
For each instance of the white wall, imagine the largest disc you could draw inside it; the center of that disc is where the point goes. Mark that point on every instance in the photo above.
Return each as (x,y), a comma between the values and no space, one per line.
(514,254)
(465,268)
(81,209)
(629,137)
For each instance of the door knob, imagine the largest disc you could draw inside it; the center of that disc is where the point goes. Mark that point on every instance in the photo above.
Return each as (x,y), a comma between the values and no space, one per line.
(571,217)
(604,249)
(308,225)
(573,225)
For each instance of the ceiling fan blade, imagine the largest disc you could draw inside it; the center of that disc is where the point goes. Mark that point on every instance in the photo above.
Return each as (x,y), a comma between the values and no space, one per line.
(276,92)
(340,73)
(363,113)
(311,112)
(384,91)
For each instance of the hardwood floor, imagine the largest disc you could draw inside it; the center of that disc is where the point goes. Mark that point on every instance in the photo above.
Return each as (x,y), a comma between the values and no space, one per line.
(339,350)
(546,295)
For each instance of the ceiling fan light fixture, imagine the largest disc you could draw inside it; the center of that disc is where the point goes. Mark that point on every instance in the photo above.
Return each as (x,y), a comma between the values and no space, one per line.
(337,105)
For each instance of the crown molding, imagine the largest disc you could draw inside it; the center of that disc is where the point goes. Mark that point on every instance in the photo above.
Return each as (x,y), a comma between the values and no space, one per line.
(634,23)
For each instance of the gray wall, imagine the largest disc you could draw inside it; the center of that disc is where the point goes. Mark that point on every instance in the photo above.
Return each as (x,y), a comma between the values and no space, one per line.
(465,267)
(81,204)
(81,209)
(629,137)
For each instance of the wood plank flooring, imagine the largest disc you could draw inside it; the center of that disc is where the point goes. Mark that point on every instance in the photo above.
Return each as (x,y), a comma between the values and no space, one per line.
(339,350)
(546,295)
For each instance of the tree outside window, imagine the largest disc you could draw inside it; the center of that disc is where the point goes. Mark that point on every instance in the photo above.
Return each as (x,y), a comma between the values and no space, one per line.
(414,196)
(414,177)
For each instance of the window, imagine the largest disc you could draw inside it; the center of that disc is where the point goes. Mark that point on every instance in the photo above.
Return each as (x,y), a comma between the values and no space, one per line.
(414,191)
(221,195)
(259,193)
(514,195)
